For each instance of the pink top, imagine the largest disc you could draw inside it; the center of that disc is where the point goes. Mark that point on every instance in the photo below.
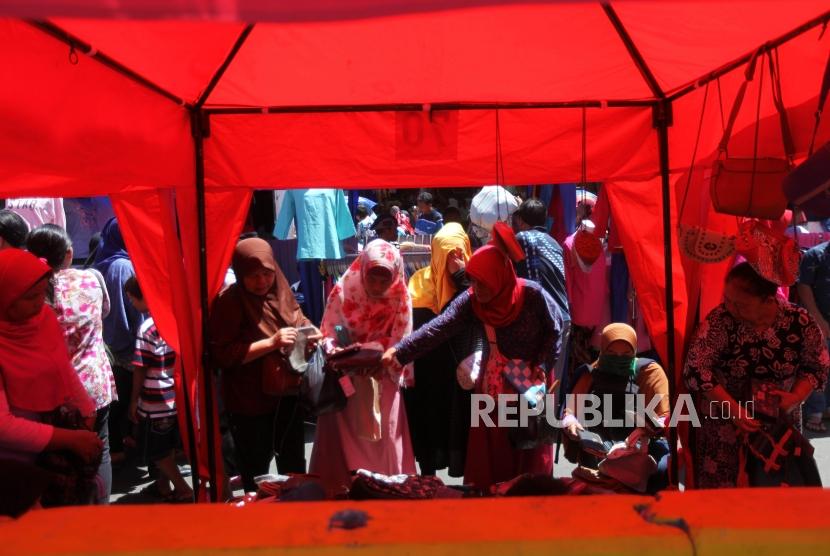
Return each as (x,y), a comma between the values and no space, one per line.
(81,303)
(588,292)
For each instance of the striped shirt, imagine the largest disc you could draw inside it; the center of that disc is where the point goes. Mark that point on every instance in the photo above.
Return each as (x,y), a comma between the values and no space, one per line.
(158,395)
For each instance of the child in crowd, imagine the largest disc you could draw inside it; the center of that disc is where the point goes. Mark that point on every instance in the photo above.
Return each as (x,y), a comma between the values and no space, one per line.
(153,402)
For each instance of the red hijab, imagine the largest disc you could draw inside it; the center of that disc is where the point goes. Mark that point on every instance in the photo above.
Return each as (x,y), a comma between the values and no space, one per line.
(491,267)
(34,362)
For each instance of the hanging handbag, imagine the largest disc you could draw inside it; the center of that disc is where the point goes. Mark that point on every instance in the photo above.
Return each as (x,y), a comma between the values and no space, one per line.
(752,186)
(774,255)
(705,246)
(697,242)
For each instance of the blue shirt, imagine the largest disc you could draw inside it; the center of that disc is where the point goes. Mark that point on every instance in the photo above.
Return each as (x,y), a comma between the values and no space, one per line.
(122,324)
(432,216)
(323,221)
(815,272)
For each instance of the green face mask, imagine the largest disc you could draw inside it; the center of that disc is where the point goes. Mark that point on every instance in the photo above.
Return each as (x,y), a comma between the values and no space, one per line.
(620,365)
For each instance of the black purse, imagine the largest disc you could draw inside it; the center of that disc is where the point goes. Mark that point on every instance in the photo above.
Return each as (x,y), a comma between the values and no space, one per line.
(538,432)
(320,389)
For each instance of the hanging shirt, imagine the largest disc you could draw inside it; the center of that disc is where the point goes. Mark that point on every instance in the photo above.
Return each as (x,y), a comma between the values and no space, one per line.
(322,219)
(37,211)
(588,292)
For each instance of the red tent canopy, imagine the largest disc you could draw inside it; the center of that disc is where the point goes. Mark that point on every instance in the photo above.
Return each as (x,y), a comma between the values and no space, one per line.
(171,107)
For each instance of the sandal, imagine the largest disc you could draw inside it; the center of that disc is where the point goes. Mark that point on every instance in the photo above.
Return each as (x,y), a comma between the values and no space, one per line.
(815,425)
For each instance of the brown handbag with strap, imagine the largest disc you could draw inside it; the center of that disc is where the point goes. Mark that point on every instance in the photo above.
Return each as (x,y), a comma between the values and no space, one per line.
(752,186)
(278,379)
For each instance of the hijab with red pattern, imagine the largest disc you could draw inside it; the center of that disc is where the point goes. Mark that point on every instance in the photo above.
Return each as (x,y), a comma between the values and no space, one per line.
(385,319)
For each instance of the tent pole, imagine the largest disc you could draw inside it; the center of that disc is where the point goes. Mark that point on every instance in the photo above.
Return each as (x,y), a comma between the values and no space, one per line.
(636,56)
(199,132)
(199,120)
(823,19)
(87,49)
(413,107)
(662,122)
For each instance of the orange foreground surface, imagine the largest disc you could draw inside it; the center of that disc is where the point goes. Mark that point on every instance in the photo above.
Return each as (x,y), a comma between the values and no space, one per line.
(757,521)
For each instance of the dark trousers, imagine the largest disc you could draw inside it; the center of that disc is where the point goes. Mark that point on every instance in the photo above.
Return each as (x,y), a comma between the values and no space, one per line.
(105,469)
(120,426)
(259,438)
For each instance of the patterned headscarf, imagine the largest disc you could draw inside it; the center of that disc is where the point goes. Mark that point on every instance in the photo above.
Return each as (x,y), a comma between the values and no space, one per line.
(384,319)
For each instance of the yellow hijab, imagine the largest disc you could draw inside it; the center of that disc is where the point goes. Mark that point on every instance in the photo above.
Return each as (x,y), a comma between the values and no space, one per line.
(432,287)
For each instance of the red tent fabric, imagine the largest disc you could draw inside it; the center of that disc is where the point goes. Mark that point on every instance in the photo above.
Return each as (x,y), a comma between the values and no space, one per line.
(379,93)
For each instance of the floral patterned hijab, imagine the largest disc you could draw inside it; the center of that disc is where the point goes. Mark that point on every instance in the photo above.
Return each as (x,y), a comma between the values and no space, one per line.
(386,319)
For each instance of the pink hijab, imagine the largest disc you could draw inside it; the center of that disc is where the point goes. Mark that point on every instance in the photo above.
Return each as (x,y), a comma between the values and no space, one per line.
(386,319)
(34,361)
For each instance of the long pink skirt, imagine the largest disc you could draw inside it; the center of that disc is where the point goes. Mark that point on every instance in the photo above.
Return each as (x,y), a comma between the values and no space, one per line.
(338,450)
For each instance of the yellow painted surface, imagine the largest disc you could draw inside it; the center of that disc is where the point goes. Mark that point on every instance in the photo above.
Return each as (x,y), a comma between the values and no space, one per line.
(756,522)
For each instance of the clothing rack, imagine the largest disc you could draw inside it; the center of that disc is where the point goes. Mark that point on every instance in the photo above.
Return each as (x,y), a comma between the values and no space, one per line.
(413,261)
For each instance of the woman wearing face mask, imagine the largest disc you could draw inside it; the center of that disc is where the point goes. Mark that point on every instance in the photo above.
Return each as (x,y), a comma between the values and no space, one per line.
(372,304)
(614,375)
(526,325)
(36,376)
(755,359)
(253,325)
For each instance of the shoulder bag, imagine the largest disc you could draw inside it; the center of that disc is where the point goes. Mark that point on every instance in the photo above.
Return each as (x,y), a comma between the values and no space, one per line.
(752,186)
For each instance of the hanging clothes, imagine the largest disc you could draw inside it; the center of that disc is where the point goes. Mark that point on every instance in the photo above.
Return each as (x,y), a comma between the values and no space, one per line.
(562,209)
(37,211)
(85,216)
(322,219)
(279,197)
(620,284)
